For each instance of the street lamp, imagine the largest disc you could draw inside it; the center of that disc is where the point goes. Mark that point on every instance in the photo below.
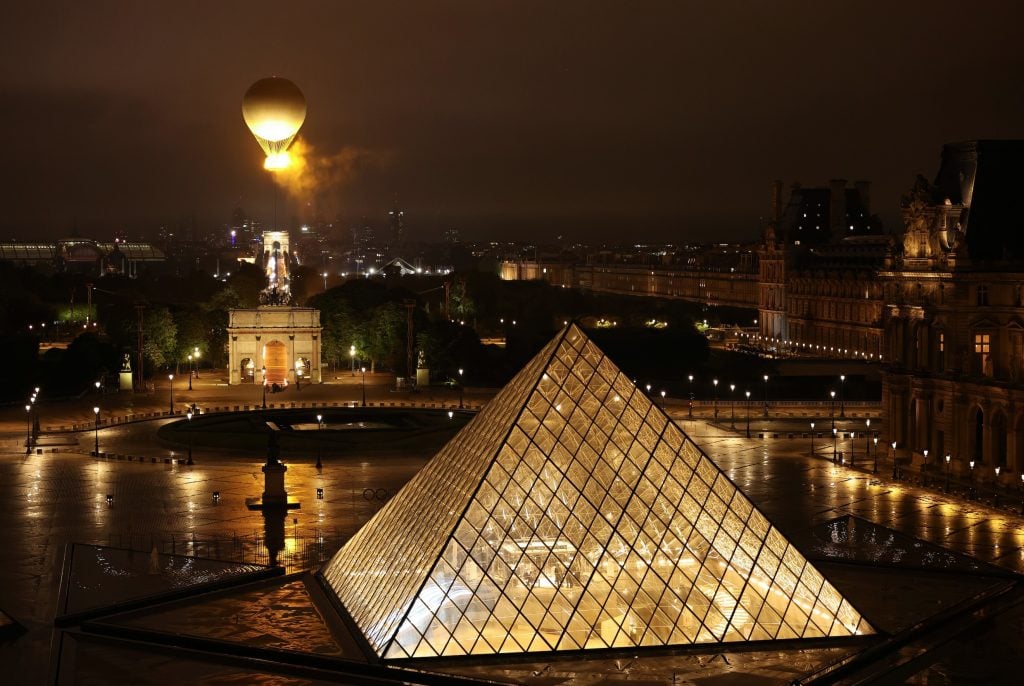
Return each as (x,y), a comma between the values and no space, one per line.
(715,383)
(195,356)
(832,409)
(924,468)
(189,428)
(96,443)
(895,473)
(812,439)
(352,354)
(319,427)
(867,440)
(663,398)
(732,404)
(298,375)
(170,387)
(690,410)
(995,489)
(325,280)
(462,390)
(970,488)
(948,458)
(97,384)
(264,385)
(190,371)
(765,395)
(28,429)
(842,404)
(874,468)
(363,385)
(835,437)
(748,412)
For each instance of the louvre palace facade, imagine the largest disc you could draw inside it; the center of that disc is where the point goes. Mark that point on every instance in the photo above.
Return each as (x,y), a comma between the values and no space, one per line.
(938,303)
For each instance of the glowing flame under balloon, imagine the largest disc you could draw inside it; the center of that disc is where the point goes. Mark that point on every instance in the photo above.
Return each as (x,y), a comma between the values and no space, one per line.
(277,161)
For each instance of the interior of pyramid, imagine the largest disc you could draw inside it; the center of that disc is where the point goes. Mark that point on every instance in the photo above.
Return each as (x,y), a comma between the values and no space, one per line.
(571,514)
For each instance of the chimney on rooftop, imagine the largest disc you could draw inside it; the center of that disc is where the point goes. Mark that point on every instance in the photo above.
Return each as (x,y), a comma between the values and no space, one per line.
(776,201)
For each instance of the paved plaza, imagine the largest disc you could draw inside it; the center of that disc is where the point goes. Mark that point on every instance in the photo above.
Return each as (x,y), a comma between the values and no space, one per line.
(54,498)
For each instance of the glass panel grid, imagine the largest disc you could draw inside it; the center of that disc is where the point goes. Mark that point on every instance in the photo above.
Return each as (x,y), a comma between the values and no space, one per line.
(596,523)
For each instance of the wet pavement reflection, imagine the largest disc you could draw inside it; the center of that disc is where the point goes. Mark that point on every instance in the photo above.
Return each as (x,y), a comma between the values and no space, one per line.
(56,498)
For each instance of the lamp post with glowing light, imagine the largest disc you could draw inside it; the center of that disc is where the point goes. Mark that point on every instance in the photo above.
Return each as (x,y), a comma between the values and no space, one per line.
(325,280)
(765,395)
(188,428)
(948,459)
(867,440)
(96,442)
(352,354)
(170,388)
(663,398)
(714,382)
(732,406)
(842,404)
(895,468)
(747,393)
(924,468)
(195,357)
(995,489)
(28,429)
(462,390)
(319,427)
(363,384)
(298,375)
(835,437)
(970,482)
(832,409)
(190,371)
(812,439)
(874,467)
(689,412)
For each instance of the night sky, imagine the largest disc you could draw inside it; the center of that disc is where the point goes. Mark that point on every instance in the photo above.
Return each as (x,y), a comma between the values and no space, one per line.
(592,120)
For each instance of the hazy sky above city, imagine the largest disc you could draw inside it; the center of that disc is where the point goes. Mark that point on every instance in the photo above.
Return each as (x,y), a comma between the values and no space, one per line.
(593,120)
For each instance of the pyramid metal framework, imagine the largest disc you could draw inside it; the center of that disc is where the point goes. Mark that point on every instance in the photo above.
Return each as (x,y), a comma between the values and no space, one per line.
(571,513)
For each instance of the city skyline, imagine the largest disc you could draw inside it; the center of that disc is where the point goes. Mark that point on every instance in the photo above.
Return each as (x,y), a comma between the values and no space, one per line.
(505,121)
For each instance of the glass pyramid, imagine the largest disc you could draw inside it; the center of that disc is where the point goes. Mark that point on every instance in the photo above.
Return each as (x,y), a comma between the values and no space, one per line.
(570,514)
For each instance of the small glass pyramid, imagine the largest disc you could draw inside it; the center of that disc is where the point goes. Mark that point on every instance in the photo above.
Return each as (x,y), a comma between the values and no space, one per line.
(571,514)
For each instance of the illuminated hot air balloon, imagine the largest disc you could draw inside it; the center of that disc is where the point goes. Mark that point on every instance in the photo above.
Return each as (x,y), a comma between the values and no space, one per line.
(274,109)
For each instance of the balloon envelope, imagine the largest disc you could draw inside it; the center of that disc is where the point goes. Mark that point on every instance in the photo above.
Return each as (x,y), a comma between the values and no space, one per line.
(274,109)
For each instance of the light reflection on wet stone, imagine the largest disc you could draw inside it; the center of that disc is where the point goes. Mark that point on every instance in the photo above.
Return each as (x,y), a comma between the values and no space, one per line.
(102,576)
(267,616)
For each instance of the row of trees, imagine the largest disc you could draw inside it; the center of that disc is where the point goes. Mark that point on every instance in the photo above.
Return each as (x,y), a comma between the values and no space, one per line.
(182,313)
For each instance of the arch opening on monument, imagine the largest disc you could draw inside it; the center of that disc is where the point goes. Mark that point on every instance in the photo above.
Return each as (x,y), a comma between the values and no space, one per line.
(275,360)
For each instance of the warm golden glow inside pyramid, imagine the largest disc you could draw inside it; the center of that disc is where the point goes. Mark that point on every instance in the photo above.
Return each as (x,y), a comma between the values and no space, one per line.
(570,514)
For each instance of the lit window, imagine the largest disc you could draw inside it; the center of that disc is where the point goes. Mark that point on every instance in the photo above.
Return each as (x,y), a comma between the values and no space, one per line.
(983,350)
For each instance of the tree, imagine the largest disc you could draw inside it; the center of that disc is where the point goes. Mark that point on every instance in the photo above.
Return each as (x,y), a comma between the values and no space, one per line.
(386,335)
(159,336)
(190,328)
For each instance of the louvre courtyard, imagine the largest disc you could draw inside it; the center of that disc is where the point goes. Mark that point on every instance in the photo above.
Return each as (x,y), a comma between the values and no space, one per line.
(940,551)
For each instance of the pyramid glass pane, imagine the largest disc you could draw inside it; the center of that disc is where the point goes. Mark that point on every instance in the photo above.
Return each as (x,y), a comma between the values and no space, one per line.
(571,513)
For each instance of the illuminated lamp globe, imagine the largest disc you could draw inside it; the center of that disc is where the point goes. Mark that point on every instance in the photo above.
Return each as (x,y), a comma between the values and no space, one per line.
(274,109)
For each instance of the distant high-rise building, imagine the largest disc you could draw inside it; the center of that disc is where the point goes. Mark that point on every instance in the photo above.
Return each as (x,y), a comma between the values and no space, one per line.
(396,233)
